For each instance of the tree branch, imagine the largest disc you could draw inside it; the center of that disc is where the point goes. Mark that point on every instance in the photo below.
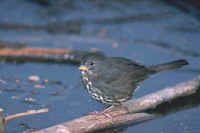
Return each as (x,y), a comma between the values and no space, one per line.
(166,95)
(126,113)
(19,52)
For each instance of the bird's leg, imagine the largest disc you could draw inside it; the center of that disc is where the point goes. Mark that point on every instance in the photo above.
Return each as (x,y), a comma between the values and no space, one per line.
(108,109)
(100,113)
(104,112)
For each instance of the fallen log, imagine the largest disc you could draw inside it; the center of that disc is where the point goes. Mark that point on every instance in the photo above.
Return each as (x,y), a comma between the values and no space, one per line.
(131,111)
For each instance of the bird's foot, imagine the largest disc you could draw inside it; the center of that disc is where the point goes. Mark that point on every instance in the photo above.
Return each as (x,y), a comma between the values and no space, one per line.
(108,109)
(100,113)
(94,113)
(104,112)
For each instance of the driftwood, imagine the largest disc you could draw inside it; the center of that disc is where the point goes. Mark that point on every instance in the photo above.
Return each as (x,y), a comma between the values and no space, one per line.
(19,52)
(127,112)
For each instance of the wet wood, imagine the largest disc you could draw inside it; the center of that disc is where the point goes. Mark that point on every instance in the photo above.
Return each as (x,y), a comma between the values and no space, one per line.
(168,94)
(17,52)
(33,51)
(29,112)
(126,113)
(95,122)
(2,124)
(3,120)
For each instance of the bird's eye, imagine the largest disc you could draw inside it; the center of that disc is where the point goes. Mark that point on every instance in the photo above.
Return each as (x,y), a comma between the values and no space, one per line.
(91,63)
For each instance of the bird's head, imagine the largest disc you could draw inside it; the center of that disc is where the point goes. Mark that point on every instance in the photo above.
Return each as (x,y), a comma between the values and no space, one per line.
(92,64)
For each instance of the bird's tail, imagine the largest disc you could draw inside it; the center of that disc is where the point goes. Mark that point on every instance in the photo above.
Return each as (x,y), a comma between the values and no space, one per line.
(169,65)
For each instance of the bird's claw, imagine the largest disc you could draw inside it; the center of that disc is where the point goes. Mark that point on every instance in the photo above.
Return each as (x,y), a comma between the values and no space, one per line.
(101,113)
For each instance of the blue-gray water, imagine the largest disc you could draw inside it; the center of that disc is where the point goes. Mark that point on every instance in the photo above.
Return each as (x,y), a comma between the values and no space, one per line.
(148,31)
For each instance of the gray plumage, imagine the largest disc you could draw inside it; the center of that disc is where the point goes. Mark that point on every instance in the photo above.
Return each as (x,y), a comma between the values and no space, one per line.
(112,80)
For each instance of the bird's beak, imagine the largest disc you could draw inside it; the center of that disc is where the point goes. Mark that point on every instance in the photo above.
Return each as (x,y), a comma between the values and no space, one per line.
(83,68)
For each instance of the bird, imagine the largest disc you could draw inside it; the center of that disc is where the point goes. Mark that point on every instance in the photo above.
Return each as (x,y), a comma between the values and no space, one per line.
(113,80)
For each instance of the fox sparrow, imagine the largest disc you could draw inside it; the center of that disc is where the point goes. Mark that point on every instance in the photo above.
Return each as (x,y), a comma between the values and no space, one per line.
(112,80)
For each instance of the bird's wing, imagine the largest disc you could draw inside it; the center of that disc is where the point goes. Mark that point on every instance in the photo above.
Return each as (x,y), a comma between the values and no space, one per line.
(122,78)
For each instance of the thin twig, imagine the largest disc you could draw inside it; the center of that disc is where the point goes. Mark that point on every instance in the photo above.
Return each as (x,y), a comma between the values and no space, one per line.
(30,112)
